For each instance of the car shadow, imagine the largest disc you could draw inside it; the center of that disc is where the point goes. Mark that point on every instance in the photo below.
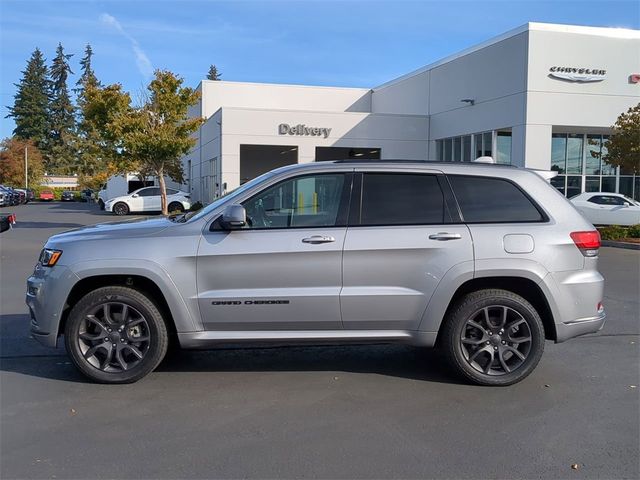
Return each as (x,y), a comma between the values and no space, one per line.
(400,361)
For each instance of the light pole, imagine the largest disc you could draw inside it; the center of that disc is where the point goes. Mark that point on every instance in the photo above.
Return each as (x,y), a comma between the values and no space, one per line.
(26,157)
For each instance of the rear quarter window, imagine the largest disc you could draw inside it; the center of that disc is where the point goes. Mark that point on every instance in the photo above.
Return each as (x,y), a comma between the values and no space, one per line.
(493,200)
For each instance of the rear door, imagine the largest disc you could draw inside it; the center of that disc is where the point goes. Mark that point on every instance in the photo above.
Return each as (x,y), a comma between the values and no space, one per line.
(403,236)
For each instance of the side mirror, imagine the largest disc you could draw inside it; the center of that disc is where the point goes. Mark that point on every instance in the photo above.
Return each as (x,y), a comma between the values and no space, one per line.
(135,195)
(233,217)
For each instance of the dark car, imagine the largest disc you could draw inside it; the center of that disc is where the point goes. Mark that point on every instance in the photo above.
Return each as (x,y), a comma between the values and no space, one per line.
(14,196)
(6,221)
(86,195)
(68,196)
(5,197)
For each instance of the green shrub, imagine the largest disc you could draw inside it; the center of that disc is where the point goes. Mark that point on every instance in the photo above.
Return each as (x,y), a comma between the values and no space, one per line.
(613,232)
(195,207)
(634,231)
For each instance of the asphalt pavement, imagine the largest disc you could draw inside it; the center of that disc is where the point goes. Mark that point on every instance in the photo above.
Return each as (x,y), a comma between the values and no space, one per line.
(382,411)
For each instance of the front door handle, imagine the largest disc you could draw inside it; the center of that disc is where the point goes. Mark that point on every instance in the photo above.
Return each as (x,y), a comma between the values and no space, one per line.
(315,239)
(443,236)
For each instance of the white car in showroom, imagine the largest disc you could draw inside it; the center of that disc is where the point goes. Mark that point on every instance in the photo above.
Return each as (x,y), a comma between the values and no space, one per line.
(147,199)
(603,208)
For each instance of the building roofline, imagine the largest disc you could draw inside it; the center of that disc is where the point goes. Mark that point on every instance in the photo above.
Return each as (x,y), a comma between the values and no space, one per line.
(531,26)
(285,85)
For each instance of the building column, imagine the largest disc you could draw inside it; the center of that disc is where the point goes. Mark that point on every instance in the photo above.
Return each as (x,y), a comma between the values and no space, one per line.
(531,146)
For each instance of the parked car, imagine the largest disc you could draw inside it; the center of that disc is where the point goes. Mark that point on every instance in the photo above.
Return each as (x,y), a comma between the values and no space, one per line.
(5,197)
(46,195)
(485,261)
(30,195)
(68,196)
(603,208)
(147,199)
(12,195)
(7,221)
(86,195)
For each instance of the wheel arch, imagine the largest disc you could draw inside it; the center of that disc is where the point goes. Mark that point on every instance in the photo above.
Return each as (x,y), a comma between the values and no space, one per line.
(523,286)
(136,282)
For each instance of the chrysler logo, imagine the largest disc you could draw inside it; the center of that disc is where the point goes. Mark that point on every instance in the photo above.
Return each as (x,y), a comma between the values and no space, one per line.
(578,74)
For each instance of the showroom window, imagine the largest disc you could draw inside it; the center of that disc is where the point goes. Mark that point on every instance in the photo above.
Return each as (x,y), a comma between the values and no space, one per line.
(580,160)
(469,147)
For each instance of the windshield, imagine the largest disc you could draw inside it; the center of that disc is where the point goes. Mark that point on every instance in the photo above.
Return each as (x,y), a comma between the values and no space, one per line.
(226,197)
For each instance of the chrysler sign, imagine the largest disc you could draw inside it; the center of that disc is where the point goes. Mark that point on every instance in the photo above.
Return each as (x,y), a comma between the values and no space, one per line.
(578,74)
(302,129)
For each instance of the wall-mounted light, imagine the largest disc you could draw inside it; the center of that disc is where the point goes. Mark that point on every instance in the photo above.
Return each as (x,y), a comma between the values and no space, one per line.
(470,101)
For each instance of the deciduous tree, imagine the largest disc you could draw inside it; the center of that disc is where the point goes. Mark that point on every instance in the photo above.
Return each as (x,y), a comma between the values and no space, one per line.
(12,164)
(624,143)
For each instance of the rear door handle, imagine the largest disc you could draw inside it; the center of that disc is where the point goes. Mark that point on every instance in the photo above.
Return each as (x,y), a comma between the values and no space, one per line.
(315,239)
(443,236)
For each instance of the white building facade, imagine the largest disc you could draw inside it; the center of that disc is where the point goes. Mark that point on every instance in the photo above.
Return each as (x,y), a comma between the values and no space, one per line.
(541,96)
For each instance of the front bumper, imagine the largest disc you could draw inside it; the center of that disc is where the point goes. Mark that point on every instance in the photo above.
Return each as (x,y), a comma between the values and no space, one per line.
(47,292)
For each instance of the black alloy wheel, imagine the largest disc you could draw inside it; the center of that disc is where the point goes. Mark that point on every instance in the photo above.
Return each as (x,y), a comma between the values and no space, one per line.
(116,335)
(493,337)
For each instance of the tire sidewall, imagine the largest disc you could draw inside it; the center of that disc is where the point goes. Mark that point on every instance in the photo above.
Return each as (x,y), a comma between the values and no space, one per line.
(157,333)
(124,211)
(524,308)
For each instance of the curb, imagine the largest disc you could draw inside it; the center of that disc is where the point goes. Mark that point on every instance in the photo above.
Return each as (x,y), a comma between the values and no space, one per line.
(625,245)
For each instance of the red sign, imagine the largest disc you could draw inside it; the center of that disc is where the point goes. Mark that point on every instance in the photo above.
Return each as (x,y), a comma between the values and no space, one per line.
(634,78)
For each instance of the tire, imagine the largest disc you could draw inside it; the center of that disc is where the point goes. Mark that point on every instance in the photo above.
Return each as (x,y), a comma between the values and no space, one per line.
(101,204)
(504,357)
(120,209)
(115,360)
(175,207)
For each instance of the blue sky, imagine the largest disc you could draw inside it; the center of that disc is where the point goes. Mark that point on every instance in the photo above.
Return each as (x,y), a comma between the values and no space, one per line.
(342,43)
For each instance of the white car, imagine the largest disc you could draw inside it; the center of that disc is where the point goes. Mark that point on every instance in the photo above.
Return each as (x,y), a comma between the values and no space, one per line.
(603,208)
(147,199)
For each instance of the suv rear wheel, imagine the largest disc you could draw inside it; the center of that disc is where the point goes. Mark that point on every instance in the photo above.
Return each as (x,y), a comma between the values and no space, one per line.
(115,335)
(493,337)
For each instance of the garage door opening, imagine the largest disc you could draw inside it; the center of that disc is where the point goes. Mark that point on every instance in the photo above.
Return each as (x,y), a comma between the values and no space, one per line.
(327,154)
(258,159)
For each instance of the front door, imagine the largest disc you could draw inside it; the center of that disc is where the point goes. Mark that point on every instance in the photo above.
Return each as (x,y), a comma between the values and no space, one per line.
(283,271)
(401,242)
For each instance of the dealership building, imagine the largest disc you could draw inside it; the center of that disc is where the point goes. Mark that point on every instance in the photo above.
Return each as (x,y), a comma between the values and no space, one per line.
(540,96)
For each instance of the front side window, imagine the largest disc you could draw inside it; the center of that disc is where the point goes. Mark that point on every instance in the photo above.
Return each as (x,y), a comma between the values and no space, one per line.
(401,199)
(492,200)
(308,201)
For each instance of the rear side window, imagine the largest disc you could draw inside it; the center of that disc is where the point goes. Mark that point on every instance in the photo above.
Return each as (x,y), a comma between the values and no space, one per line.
(492,200)
(401,199)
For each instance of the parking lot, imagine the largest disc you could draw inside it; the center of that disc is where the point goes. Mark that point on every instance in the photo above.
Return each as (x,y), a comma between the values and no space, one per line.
(316,411)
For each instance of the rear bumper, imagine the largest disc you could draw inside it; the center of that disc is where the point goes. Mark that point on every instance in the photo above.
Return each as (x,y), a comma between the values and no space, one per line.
(584,326)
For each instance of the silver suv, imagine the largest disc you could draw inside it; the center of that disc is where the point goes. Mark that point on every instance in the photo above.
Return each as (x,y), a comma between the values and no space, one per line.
(483,261)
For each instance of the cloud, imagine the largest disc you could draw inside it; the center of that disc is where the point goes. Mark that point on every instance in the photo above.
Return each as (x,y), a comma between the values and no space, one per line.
(142,61)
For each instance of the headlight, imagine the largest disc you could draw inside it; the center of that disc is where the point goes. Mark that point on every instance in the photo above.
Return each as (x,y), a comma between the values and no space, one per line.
(49,257)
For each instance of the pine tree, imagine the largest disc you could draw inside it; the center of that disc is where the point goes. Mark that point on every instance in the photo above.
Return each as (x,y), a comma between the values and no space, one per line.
(29,110)
(213,73)
(61,151)
(90,159)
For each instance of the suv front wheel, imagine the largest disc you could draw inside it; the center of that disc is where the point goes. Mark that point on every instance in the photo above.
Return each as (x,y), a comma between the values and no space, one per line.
(493,337)
(115,335)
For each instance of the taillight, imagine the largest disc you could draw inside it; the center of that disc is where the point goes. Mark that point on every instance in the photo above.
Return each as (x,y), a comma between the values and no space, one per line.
(587,242)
